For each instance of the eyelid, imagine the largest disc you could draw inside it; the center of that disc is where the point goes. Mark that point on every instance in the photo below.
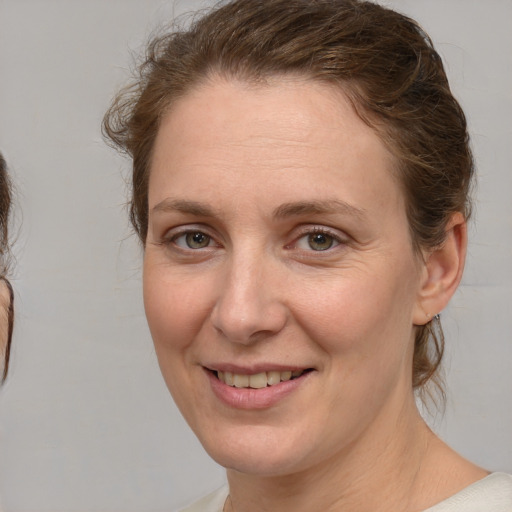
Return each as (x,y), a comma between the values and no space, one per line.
(169,237)
(185,245)
(176,232)
(311,229)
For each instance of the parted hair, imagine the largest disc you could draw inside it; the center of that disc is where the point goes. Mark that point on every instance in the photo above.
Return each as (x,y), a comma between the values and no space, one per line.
(382,60)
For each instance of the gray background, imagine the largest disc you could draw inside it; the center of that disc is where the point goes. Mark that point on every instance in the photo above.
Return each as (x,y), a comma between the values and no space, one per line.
(86,421)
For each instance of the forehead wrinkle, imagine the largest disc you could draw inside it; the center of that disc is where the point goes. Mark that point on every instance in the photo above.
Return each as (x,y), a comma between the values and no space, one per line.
(279,139)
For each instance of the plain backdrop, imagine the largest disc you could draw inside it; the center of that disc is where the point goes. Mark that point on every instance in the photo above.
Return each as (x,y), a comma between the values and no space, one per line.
(86,421)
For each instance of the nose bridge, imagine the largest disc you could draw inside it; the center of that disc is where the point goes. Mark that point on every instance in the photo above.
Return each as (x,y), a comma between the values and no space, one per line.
(248,306)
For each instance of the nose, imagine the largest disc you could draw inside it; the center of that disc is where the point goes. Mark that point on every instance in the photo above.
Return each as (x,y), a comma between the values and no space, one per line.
(249,306)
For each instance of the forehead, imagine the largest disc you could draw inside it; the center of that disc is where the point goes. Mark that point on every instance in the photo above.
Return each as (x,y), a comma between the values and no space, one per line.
(286,132)
(293,107)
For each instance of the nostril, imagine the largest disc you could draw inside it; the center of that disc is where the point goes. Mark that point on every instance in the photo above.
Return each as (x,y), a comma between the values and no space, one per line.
(248,308)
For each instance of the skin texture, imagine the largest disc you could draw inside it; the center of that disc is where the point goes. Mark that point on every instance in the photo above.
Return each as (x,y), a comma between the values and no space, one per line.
(258,170)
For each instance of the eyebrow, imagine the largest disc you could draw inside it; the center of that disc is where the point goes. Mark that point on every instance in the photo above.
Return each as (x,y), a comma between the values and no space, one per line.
(185,206)
(330,206)
(292,209)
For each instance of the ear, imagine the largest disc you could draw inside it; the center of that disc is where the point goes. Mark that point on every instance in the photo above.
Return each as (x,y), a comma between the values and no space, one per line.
(442,271)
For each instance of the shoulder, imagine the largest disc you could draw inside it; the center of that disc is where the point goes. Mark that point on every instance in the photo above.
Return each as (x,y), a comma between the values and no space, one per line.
(213,502)
(492,494)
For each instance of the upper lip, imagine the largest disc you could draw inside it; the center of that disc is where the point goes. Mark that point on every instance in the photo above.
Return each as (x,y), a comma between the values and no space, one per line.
(254,368)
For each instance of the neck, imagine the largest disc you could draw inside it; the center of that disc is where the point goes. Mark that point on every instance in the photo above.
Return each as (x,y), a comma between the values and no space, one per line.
(380,471)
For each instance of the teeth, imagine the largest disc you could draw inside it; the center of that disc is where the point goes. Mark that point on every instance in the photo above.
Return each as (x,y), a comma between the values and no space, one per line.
(273,378)
(286,375)
(257,380)
(241,381)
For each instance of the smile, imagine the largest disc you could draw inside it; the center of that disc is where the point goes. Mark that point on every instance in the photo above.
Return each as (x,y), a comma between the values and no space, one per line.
(258,380)
(258,390)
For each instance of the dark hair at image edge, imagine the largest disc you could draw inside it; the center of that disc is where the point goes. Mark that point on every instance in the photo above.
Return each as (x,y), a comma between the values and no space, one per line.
(382,60)
(5,208)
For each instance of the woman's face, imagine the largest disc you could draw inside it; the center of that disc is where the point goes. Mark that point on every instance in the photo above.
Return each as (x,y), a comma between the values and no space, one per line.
(278,246)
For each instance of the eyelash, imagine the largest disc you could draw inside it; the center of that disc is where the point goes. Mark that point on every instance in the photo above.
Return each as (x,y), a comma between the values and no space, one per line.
(172,239)
(336,239)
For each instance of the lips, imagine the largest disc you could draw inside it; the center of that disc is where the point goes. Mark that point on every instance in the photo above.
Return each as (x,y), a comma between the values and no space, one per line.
(243,389)
(258,380)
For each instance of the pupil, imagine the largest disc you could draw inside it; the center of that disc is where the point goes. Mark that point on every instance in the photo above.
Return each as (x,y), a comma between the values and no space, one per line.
(320,241)
(197,240)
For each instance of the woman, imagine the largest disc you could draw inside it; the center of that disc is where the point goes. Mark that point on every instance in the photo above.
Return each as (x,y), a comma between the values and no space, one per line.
(6,294)
(301,179)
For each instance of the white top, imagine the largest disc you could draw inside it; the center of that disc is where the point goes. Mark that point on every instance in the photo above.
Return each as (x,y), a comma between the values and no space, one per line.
(491,494)
(213,502)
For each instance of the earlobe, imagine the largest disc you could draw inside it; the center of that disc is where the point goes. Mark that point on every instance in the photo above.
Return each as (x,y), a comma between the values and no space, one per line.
(442,271)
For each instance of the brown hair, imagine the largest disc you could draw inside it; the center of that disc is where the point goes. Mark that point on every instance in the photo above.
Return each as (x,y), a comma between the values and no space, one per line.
(383,61)
(5,207)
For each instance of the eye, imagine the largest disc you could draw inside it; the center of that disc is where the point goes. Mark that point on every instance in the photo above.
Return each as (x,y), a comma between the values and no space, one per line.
(193,240)
(317,241)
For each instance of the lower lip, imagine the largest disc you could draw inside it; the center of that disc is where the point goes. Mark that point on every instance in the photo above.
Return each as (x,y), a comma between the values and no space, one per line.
(249,398)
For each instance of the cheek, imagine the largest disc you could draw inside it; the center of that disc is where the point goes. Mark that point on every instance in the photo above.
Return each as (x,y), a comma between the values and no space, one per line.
(175,308)
(366,316)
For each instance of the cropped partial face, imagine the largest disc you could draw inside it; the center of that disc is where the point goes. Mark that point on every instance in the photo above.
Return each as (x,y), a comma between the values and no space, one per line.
(280,283)
(5,301)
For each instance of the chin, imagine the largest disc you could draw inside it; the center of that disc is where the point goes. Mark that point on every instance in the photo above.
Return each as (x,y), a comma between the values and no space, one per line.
(258,450)
(254,462)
